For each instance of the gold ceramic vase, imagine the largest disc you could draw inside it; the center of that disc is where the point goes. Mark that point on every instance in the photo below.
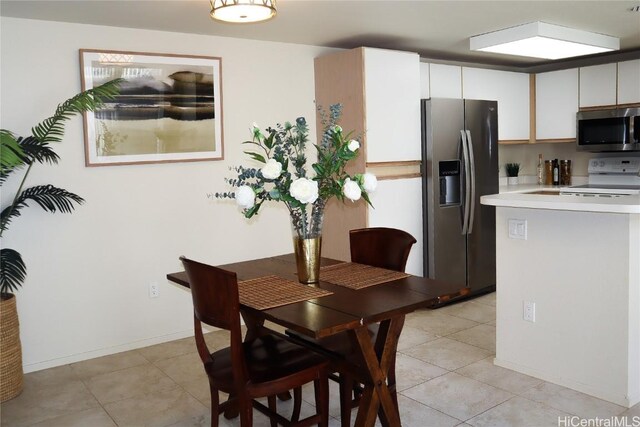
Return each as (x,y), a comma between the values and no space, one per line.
(307,253)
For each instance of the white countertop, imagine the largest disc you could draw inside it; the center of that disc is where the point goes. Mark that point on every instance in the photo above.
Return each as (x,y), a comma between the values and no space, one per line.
(515,196)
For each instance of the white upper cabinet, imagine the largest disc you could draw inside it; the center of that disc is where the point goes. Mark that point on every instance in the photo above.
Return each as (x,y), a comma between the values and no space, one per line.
(392,105)
(445,81)
(556,104)
(629,82)
(510,89)
(424,81)
(598,85)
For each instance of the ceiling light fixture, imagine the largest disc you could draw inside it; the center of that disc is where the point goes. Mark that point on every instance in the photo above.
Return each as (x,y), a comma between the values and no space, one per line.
(542,40)
(242,11)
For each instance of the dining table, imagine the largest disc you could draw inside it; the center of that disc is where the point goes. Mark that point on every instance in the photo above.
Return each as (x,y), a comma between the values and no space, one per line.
(346,310)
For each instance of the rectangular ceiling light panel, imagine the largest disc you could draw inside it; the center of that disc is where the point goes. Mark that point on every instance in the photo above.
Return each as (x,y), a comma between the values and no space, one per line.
(542,40)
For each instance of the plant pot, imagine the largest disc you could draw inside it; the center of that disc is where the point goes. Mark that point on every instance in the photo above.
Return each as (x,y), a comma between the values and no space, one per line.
(10,350)
(512,180)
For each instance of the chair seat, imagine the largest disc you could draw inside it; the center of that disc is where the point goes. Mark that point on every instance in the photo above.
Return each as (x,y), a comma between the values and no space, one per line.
(269,359)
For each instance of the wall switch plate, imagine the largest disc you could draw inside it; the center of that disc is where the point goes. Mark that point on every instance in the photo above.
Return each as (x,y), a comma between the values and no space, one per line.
(518,229)
(529,311)
(154,290)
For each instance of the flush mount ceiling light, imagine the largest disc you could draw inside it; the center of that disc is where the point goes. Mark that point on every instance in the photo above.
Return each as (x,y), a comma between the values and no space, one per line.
(242,11)
(542,40)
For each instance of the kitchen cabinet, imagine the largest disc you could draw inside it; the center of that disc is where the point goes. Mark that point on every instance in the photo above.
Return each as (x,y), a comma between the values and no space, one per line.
(424,81)
(598,85)
(556,105)
(380,92)
(511,90)
(445,81)
(629,82)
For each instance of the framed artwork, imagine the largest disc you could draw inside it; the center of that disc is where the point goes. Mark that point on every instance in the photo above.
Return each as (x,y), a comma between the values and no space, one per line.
(169,108)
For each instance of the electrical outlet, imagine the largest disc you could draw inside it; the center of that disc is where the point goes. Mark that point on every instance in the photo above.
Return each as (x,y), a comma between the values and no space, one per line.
(154,290)
(518,229)
(529,311)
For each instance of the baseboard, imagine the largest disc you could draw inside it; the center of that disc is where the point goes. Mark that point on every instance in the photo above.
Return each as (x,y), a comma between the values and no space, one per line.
(38,366)
(616,398)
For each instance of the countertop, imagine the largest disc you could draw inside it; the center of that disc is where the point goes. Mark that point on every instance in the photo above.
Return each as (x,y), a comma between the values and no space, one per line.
(519,196)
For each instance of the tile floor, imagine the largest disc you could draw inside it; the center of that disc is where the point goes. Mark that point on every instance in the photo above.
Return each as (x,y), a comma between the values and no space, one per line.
(445,378)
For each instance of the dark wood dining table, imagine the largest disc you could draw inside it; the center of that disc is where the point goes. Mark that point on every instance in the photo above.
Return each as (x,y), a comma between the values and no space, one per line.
(350,311)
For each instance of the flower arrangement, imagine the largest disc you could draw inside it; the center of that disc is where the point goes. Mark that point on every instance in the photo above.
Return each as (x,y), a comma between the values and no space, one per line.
(284,177)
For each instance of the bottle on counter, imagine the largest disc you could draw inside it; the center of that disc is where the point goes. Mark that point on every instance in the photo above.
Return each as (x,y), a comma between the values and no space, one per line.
(556,172)
(565,172)
(548,172)
(540,169)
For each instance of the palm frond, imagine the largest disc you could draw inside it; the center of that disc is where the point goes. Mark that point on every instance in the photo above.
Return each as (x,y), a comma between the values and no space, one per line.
(50,198)
(52,128)
(10,151)
(36,150)
(12,270)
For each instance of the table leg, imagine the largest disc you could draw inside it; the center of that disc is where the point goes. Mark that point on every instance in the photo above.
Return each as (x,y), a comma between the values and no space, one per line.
(377,394)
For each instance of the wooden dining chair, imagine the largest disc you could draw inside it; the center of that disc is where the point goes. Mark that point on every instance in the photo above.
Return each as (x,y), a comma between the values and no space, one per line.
(263,366)
(381,247)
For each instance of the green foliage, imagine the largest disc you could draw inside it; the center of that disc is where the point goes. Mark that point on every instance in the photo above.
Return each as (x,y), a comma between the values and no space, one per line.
(512,169)
(24,153)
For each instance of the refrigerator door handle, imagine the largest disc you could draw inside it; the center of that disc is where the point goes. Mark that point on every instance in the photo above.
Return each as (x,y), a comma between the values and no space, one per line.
(473,182)
(467,182)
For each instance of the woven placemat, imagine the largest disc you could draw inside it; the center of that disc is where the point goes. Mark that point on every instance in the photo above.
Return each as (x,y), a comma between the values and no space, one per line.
(273,291)
(358,276)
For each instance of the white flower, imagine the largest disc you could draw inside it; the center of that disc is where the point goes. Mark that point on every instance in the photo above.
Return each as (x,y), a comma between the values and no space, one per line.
(370,182)
(272,169)
(351,190)
(245,197)
(255,126)
(304,190)
(337,129)
(353,145)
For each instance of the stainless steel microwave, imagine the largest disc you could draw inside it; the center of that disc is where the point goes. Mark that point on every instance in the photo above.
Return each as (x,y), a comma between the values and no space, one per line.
(608,130)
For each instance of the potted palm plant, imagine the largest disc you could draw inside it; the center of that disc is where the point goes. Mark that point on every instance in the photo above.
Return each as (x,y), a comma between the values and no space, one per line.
(18,155)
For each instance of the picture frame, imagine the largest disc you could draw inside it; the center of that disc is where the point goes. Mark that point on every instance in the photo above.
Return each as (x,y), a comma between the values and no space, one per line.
(169,108)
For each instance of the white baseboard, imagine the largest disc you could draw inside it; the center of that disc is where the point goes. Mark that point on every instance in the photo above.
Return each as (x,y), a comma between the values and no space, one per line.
(616,398)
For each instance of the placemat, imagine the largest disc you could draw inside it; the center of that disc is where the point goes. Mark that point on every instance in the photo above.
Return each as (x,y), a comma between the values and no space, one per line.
(358,276)
(273,291)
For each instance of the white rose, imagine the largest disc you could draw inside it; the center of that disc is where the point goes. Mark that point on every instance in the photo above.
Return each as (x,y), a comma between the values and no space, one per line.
(245,197)
(351,190)
(304,190)
(353,145)
(272,169)
(370,182)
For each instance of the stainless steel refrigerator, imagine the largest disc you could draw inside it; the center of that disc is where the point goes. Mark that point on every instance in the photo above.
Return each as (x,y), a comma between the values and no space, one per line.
(460,164)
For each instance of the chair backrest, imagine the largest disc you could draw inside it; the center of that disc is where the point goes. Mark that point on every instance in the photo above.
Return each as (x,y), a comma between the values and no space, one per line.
(216,302)
(381,247)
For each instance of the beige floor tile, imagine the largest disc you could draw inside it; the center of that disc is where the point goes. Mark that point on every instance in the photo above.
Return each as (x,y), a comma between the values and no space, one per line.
(412,337)
(485,371)
(518,412)
(415,414)
(571,401)
(130,382)
(634,411)
(487,299)
(457,396)
(411,372)
(156,409)
(169,349)
(438,323)
(483,336)
(334,398)
(183,369)
(447,353)
(102,365)
(40,401)
(218,339)
(95,417)
(199,389)
(471,310)
(492,323)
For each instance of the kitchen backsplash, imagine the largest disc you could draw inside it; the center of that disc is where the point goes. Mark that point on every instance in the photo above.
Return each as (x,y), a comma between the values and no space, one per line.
(527,156)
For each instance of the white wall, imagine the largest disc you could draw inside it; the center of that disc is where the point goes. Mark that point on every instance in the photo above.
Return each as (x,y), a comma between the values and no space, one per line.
(88,273)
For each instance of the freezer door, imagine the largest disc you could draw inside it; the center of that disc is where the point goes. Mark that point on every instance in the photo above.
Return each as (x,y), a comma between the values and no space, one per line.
(481,120)
(445,244)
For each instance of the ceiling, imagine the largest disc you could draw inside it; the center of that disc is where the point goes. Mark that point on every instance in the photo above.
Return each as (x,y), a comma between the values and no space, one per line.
(438,30)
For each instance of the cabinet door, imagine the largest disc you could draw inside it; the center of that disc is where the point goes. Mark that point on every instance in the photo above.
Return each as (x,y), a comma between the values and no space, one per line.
(598,85)
(556,104)
(445,81)
(392,105)
(397,203)
(511,90)
(629,82)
